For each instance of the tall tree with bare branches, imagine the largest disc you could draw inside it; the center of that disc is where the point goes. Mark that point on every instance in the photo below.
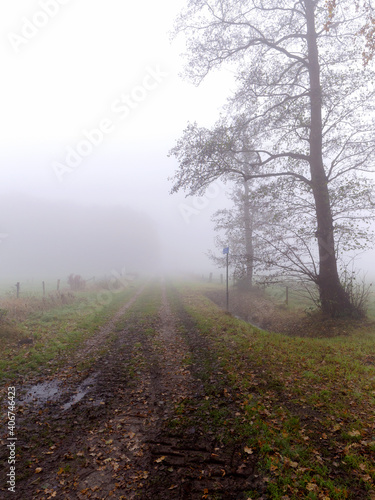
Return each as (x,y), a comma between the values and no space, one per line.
(303,94)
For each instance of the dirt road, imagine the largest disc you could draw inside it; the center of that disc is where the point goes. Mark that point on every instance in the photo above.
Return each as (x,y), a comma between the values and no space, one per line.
(136,423)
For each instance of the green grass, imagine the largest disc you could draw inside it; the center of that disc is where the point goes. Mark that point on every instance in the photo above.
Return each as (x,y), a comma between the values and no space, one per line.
(282,378)
(145,309)
(297,299)
(55,333)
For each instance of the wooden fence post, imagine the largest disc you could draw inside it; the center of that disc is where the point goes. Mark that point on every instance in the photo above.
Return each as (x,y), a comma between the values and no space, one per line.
(287,295)
(44,288)
(18,289)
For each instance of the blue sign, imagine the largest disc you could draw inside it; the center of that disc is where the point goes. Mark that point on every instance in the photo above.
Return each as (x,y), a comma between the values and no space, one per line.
(225,250)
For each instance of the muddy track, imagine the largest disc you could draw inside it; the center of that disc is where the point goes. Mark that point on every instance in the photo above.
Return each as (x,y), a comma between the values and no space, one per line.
(196,462)
(126,436)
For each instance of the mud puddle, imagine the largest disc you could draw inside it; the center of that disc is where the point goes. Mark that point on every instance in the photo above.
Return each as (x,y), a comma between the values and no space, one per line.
(42,393)
(53,391)
(84,388)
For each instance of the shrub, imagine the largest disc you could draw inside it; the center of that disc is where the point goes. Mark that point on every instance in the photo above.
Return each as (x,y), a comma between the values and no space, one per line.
(358,291)
(76,282)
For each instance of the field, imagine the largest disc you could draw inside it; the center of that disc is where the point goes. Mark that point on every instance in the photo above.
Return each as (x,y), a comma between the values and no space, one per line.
(155,392)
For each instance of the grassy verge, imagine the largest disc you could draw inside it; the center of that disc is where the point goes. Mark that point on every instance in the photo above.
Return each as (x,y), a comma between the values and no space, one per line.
(308,403)
(44,338)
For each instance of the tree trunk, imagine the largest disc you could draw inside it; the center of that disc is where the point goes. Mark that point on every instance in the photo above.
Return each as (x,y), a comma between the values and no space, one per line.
(248,225)
(334,299)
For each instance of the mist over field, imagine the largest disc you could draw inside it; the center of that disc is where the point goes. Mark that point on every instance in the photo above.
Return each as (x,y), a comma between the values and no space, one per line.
(54,239)
(46,239)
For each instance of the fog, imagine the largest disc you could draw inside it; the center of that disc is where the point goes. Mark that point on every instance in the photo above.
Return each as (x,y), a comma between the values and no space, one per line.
(87,123)
(54,239)
(115,213)
(49,239)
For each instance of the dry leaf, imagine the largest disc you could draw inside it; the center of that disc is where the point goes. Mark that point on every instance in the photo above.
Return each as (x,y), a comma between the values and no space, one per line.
(311,487)
(354,433)
(38,470)
(248,450)
(158,460)
(366,478)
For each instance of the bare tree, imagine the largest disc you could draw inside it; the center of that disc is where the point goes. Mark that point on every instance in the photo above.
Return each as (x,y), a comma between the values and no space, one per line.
(240,227)
(289,238)
(304,92)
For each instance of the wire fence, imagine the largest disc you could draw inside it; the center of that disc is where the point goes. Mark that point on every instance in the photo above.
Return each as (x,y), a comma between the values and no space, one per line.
(28,288)
(281,291)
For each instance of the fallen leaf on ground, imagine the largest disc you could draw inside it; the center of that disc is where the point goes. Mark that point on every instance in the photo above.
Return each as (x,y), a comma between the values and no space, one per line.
(354,433)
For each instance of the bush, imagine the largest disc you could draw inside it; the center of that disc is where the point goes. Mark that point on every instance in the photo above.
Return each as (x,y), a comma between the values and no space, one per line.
(358,291)
(76,282)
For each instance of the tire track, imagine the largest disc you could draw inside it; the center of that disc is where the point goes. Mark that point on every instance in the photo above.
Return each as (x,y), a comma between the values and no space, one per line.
(117,441)
(191,463)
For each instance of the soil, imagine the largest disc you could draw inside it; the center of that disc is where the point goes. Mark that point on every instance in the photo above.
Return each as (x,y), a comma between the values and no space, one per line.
(106,431)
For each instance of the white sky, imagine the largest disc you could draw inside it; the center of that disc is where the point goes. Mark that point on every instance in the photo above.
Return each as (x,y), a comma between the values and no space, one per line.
(70,66)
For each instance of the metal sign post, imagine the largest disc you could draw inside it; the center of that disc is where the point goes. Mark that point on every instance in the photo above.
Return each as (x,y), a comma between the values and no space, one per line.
(226,251)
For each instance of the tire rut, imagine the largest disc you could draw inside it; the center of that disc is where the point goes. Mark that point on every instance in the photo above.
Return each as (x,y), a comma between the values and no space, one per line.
(193,464)
(117,441)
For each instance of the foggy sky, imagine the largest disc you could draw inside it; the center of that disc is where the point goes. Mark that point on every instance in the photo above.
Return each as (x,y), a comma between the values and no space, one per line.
(91,104)
(113,81)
